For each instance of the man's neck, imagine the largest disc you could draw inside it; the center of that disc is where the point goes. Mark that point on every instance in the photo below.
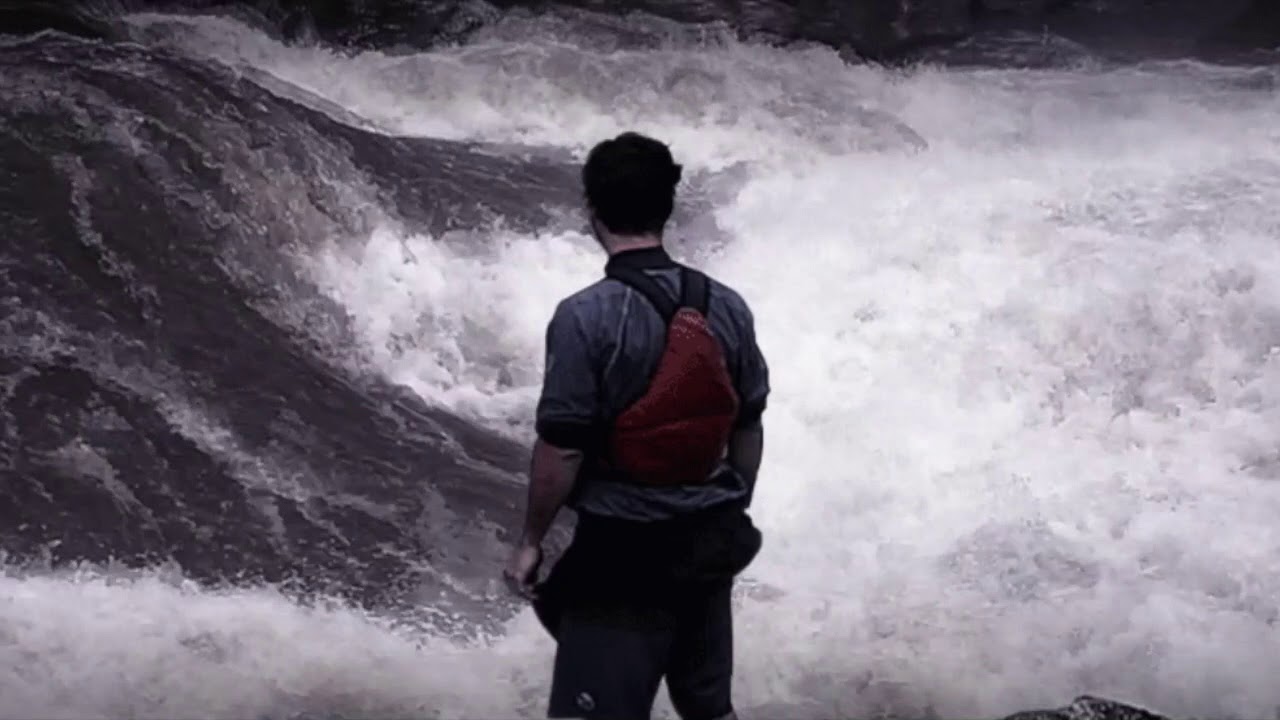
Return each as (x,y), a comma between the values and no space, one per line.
(632,242)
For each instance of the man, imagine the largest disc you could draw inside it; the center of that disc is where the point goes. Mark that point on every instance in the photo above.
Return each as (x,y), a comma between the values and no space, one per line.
(649,427)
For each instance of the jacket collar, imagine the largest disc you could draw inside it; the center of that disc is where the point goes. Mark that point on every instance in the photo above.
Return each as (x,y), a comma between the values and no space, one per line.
(642,259)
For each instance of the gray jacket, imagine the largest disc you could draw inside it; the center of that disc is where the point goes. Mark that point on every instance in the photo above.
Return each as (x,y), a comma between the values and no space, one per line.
(603,345)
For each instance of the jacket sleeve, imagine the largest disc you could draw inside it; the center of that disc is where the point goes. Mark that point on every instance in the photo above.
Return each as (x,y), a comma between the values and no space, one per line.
(569,405)
(752,373)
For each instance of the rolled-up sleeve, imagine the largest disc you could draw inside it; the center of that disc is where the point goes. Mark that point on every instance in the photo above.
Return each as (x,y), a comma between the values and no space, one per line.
(753,373)
(569,405)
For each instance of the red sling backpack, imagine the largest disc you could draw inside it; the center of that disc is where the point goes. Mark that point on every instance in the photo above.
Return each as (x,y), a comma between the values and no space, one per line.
(678,431)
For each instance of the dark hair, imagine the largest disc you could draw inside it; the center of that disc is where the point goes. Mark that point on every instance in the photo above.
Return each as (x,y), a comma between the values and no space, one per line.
(630,183)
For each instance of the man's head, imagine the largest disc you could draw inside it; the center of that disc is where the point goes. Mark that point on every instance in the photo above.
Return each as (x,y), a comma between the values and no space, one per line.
(630,186)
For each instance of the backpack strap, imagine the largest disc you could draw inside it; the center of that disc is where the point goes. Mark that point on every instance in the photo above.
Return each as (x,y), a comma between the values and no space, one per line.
(693,285)
(695,290)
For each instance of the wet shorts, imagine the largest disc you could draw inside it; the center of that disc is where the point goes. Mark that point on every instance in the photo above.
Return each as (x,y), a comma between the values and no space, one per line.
(611,658)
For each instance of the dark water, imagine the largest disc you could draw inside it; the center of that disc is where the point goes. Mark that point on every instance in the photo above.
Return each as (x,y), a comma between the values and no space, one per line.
(173,388)
(163,366)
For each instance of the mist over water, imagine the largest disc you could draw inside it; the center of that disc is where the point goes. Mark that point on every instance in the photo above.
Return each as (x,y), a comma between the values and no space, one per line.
(1024,332)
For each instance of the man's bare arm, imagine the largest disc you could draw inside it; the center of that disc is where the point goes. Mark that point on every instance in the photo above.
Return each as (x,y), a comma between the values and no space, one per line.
(746,449)
(551,478)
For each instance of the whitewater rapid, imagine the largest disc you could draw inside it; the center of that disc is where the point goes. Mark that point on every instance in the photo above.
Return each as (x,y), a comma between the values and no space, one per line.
(1021,443)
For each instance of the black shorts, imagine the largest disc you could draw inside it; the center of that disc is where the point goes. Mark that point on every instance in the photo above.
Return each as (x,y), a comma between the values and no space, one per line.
(611,658)
(631,604)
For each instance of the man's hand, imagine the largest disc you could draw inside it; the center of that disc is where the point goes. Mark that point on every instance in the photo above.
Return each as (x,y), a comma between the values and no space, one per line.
(551,477)
(521,572)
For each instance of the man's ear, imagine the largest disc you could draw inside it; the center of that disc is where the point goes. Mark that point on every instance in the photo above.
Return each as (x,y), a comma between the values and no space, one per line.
(597,228)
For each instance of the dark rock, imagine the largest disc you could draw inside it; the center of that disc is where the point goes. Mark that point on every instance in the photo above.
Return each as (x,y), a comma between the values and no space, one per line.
(1022,7)
(23,18)
(871,29)
(1011,49)
(1137,29)
(1088,707)
(1257,26)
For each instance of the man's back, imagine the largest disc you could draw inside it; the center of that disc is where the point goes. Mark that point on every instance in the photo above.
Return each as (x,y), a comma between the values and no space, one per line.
(603,347)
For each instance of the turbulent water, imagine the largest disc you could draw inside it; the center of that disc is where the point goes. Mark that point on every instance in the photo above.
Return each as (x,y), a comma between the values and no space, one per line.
(271,335)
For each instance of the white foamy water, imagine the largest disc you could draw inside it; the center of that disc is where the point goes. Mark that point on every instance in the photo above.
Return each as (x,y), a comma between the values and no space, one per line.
(153,647)
(1022,439)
